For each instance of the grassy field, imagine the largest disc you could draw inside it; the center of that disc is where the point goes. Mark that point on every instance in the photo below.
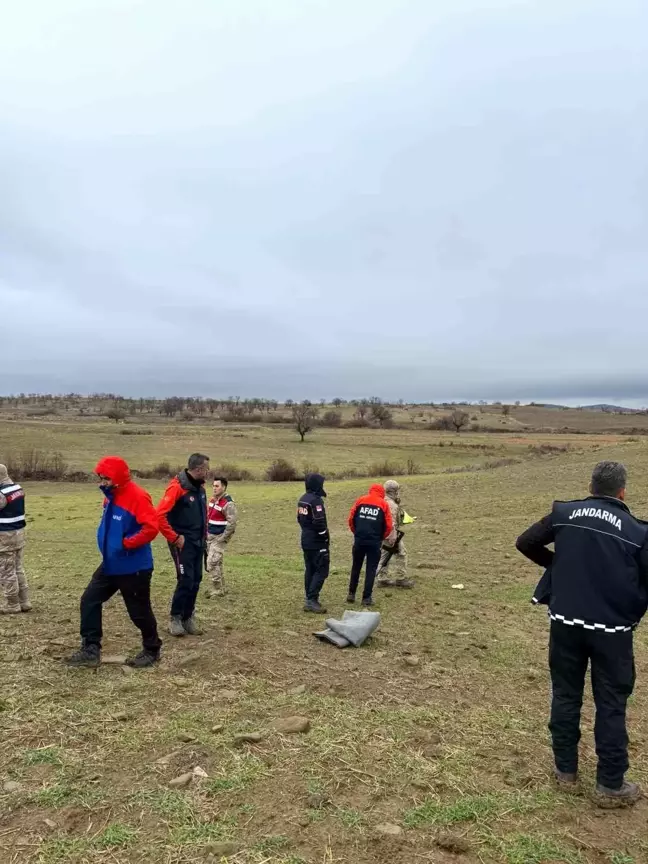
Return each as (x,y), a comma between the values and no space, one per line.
(453,750)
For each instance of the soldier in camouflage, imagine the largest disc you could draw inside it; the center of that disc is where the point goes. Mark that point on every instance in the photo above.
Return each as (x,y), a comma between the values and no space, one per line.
(393,560)
(12,545)
(221,525)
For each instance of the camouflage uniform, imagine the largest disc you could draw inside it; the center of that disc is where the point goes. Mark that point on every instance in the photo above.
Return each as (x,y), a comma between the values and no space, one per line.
(12,572)
(394,563)
(216,544)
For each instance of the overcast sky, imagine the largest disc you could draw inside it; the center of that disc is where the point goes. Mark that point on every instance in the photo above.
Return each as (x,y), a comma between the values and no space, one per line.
(318,198)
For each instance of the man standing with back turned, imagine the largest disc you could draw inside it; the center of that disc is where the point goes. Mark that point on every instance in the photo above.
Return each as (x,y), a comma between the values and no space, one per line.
(371,523)
(596,587)
(183,522)
(315,539)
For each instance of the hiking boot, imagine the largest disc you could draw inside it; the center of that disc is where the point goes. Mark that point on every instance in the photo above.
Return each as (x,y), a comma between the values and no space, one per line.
(216,592)
(567,781)
(385,583)
(350,598)
(314,606)
(23,599)
(11,610)
(143,659)
(628,794)
(367,601)
(175,626)
(87,655)
(12,604)
(191,626)
(404,583)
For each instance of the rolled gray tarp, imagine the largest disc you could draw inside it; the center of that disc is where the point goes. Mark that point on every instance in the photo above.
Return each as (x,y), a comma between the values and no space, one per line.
(353,629)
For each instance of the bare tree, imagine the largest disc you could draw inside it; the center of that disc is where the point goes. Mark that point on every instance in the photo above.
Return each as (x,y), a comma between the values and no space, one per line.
(116,414)
(459,419)
(304,416)
(380,413)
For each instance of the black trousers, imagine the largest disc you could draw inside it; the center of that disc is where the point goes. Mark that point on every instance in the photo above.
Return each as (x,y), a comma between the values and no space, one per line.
(611,658)
(189,572)
(372,555)
(136,593)
(316,571)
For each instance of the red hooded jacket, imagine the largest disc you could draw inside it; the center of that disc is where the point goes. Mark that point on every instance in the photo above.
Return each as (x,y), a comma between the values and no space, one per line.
(370,518)
(129,521)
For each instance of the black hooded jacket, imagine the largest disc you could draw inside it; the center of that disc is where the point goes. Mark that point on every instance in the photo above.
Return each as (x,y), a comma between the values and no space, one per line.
(311,514)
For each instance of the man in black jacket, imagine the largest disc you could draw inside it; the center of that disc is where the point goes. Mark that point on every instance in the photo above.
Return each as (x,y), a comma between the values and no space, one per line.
(311,516)
(596,587)
(182,514)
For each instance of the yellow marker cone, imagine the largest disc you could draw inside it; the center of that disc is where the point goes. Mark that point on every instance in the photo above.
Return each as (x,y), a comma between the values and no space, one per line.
(407,519)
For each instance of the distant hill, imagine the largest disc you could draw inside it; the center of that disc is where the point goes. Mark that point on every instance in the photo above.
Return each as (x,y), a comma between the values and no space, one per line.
(619,409)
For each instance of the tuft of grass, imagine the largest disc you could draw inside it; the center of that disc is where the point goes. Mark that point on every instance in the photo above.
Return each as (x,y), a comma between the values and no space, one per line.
(53,796)
(472,808)
(620,858)
(199,833)
(61,850)
(167,802)
(274,843)
(526,849)
(350,817)
(115,836)
(42,756)
(247,769)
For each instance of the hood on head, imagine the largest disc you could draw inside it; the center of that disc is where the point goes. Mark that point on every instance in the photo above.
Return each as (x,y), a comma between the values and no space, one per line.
(377,490)
(392,488)
(114,467)
(315,484)
(4,474)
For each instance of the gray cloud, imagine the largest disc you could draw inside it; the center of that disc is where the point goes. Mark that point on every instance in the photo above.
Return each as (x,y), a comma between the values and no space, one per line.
(313,198)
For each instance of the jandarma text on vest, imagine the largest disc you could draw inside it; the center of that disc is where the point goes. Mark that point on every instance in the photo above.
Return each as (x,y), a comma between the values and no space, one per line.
(597,514)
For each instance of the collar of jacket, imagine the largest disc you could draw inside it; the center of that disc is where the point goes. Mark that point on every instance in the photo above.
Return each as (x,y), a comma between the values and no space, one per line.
(618,501)
(188,482)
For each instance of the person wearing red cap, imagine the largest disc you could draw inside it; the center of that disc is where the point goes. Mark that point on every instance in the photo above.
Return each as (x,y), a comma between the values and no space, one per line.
(128,525)
(371,523)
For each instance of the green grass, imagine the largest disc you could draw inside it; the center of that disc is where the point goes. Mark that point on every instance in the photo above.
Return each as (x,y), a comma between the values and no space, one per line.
(525,849)
(272,844)
(53,796)
(620,858)
(42,756)
(474,808)
(61,850)
(114,837)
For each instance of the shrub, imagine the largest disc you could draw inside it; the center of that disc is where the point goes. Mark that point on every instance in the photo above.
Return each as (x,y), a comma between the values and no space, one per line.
(385,469)
(232,472)
(357,423)
(413,467)
(161,471)
(136,432)
(34,464)
(230,417)
(332,419)
(116,414)
(281,471)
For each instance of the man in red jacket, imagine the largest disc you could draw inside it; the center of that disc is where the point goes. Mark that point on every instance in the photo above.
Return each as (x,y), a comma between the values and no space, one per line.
(371,522)
(128,524)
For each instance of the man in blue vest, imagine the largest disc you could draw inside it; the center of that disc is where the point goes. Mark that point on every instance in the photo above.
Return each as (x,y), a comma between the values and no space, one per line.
(12,545)
(596,587)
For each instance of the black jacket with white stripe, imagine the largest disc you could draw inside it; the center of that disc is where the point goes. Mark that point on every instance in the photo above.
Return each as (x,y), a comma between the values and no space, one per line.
(598,575)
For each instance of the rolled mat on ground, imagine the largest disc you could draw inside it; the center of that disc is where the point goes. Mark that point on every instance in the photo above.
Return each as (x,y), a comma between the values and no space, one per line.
(353,629)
